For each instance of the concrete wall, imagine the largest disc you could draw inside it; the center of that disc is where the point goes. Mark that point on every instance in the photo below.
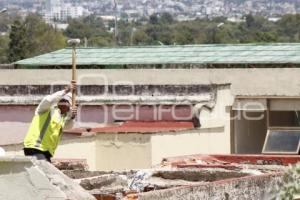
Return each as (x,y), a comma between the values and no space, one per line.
(212,137)
(261,84)
(125,112)
(220,117)
(204,141)
(220,114)
(133,151)
(78,148)
(123,151)
(255,187)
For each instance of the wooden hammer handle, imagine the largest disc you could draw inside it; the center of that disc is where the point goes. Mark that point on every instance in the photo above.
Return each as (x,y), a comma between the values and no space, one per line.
(74,75)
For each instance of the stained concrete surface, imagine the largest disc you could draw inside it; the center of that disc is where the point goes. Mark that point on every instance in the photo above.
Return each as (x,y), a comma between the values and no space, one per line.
(27,178)
(260,187)
(279,82)
(196,175)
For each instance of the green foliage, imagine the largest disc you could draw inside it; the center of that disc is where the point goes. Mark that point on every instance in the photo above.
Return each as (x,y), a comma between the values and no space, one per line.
(153,19)
(91,28)
(33,37)
(41,37)
(289,28)
(4,42)
(124,33)
(100,41)
(184,34)
(140,38)
(290,189)
(18,43)
(166,18)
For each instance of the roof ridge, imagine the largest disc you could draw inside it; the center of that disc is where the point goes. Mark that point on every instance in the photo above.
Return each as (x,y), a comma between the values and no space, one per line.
(188,45)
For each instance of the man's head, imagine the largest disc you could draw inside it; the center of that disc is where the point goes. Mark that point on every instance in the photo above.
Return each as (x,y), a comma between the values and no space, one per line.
(65,104)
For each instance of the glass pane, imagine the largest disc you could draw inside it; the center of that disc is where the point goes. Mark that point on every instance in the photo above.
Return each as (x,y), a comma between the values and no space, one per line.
(282,141)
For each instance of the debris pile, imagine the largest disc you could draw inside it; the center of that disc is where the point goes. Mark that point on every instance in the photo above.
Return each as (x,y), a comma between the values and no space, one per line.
(203,173)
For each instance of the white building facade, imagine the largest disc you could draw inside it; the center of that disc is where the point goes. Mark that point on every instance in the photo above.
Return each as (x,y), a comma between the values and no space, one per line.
(57,10)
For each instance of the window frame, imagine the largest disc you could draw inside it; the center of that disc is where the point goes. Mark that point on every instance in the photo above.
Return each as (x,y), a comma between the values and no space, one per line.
(287,129)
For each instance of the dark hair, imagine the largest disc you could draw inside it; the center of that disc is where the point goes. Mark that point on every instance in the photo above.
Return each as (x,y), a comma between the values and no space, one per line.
(63,101)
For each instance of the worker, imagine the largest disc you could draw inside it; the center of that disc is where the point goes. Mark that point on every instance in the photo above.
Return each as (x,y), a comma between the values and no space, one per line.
(53,114)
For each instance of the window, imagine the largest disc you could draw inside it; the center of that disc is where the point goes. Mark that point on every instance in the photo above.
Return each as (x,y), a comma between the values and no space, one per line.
(284,119)
(282,142)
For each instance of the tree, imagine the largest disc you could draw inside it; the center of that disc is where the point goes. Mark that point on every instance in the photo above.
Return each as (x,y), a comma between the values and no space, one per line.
(41,37)
(140,38)
(87,27)
(4,42)
(33,37)
(153,19)
(101,41)
(79,29)
(166,18)
(250,21)
(18,43)
(92,28)
(183,34)
(288,28)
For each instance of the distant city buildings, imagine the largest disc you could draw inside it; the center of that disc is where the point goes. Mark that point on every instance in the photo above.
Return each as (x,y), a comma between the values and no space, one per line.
(58,10)
(61,10)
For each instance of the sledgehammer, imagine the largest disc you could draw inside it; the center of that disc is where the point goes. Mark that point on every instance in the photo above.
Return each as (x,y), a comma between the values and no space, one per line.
(73,43)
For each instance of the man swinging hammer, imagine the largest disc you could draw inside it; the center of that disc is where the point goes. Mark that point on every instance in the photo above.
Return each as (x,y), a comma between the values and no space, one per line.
(54,114)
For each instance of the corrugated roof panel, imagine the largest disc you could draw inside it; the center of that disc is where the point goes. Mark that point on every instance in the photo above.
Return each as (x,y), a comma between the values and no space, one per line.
(194,54)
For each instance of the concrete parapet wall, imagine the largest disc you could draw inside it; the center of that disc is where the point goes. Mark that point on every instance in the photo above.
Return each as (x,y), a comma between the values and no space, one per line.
(256,187)
(245,82)
(159,94)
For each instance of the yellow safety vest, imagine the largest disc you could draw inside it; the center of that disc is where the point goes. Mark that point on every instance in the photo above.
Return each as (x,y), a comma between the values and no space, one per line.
(45,131)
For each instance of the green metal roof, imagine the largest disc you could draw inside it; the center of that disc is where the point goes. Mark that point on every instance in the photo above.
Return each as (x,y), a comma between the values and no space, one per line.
(278,53)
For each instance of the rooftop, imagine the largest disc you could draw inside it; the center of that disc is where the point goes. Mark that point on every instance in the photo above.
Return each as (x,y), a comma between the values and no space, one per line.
(137,127)
(126,127)
(272,53)
(230,161)
(194,177)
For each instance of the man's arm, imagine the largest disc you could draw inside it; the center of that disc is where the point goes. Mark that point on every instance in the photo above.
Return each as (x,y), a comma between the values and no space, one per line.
(50,100)
(70,118)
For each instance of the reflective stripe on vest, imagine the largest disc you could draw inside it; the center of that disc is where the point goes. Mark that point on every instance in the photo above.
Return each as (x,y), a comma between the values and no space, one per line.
(43,131)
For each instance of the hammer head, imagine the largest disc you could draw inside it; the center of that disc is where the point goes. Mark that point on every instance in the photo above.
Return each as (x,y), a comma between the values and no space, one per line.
(73,42)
